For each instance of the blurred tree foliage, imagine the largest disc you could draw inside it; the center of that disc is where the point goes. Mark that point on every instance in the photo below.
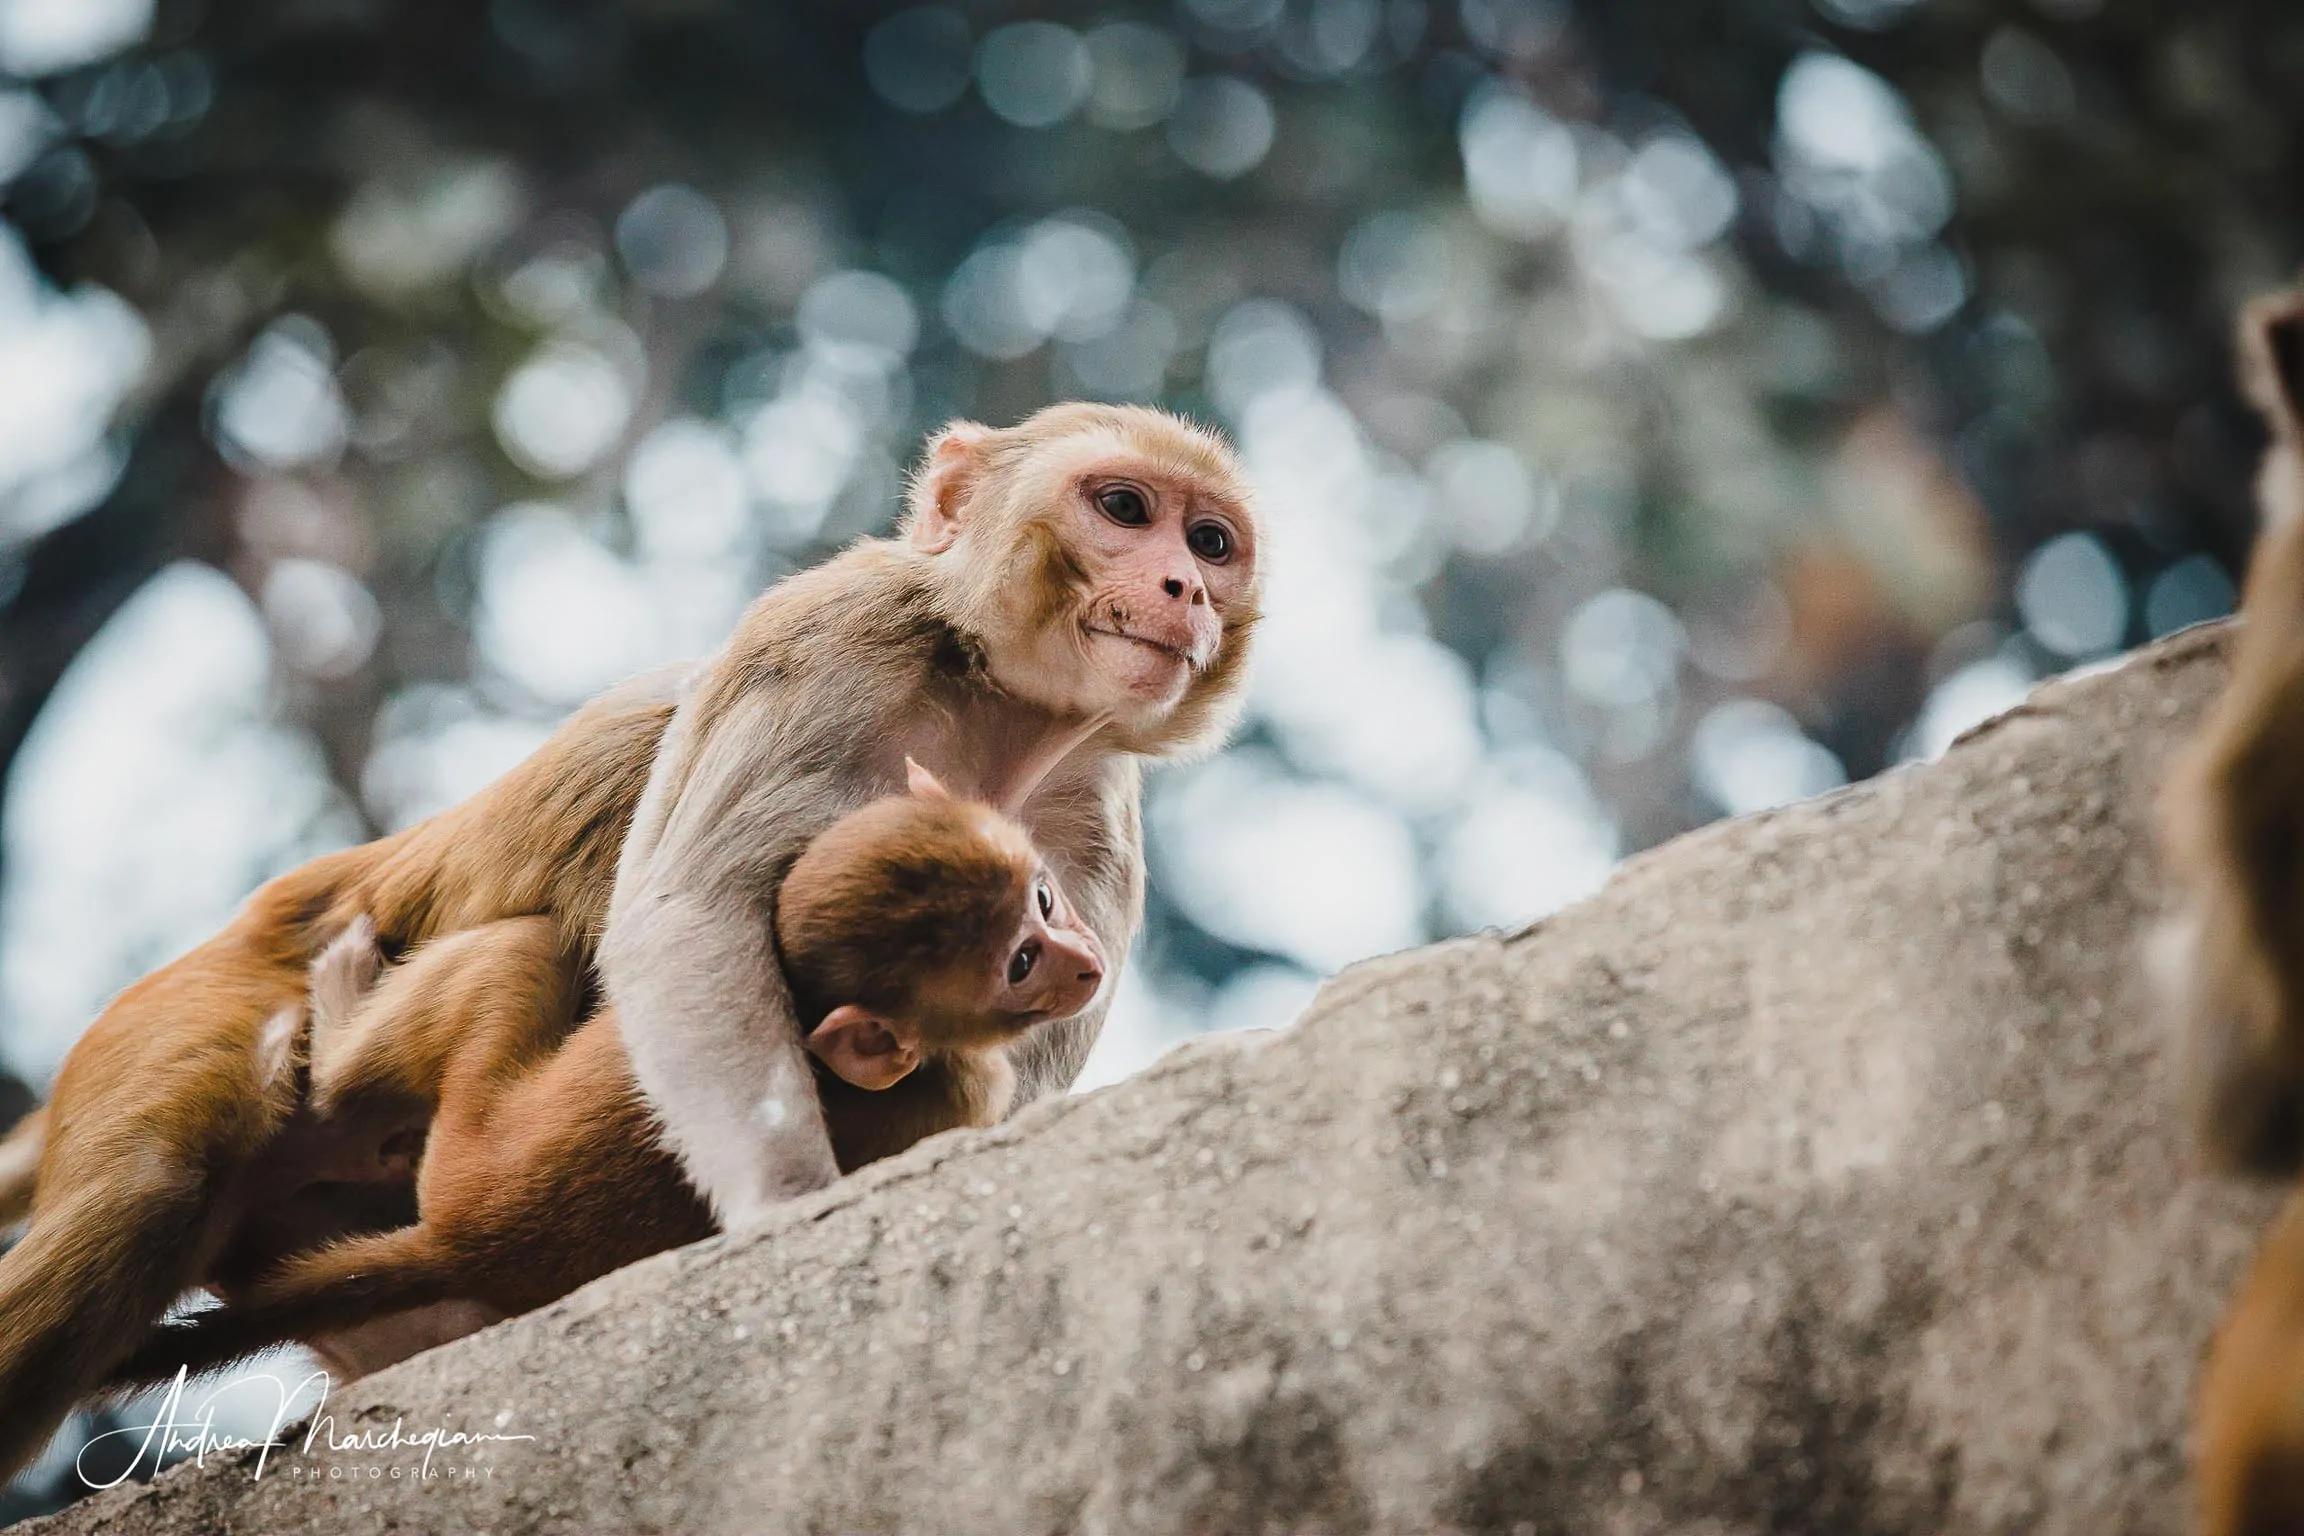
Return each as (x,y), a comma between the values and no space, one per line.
(1806,325)
(1939,281)
(2124,177)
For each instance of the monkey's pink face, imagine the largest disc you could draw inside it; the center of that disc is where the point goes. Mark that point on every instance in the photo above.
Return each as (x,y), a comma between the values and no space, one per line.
(1165,559)
(1054,965)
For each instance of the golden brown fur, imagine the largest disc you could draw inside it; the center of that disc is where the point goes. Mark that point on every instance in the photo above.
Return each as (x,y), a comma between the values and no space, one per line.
(928,883)
(2236,822)
(177,1149)
(2248,1431)
(543,1170)
(2235,837)
(149,1180)
(1034,684)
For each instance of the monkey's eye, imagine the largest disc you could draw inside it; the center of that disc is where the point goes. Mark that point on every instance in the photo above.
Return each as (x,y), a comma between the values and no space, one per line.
(1047,899)
(1020,966)
(1212,542)
(1125,505)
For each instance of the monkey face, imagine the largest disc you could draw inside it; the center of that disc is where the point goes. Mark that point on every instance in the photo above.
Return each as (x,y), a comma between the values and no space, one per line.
(1114,560)
(1161,561)
(1053,966)
(1049,969)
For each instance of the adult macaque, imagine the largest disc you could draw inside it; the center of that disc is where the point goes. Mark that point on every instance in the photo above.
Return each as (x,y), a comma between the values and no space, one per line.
(1067,595)
(923,939)
(1078,592)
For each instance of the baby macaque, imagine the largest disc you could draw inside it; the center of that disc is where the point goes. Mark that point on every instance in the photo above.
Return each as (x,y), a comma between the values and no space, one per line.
(923,937)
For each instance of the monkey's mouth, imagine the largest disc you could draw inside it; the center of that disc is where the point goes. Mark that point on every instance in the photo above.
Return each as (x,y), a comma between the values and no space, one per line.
(1175,653)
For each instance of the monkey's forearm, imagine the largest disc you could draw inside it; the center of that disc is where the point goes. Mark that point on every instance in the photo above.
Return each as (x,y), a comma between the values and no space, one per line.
(708,1024)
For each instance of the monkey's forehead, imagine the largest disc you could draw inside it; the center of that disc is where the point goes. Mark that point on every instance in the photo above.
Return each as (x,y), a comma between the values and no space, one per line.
(1004,836)
(1150,423)
(902,830)
(1175,456)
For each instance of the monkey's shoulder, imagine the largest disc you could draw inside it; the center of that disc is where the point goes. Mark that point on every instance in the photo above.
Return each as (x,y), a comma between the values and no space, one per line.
(872,609)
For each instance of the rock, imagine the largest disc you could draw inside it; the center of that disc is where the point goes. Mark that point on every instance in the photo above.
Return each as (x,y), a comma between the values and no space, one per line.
(1818,1175)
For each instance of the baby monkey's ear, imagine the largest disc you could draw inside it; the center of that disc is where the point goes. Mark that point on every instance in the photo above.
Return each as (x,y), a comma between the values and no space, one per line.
(865,1049)
(923,783)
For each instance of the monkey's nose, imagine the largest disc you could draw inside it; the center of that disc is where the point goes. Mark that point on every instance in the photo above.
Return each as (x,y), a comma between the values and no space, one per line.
(1181,583)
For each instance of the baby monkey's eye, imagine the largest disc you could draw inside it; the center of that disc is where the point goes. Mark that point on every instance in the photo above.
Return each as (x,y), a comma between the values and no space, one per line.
(1021,965)
(1047,900)
(1125,505)
(1212,542)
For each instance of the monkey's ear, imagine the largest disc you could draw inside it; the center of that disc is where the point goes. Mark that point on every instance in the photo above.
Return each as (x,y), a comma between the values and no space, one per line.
(948,471)
(2272,347)
(863,1048)
(923,783)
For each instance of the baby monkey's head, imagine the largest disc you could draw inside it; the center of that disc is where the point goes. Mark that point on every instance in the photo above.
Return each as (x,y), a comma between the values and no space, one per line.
(924,926)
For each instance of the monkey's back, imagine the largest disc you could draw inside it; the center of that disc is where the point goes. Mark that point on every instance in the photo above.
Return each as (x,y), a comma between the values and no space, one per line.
(562,1181)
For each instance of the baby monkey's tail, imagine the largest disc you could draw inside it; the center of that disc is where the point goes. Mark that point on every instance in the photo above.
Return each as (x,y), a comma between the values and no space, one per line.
(341,1286)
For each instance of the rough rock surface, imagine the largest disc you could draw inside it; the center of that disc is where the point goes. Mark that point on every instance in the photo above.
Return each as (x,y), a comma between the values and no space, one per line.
(1816,1176)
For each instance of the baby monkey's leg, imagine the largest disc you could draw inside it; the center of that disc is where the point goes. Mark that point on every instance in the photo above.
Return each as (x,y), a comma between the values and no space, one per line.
(481,1003)
(337,1288)
(447,1030)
